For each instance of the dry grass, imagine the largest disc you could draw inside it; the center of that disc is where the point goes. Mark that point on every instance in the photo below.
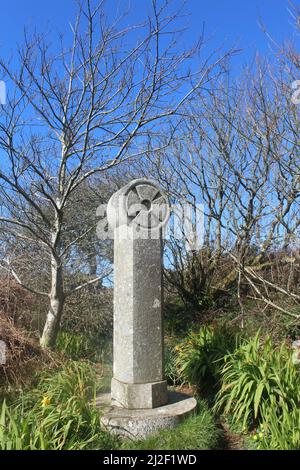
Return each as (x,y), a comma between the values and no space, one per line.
(23,353)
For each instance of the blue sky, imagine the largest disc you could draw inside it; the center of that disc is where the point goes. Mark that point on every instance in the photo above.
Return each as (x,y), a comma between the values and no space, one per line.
(226,21)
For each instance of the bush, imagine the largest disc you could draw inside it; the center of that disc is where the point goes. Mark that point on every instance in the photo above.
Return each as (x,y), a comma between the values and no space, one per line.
(73,346)
(201,354)
(197,432)
(171,370)
(16,303)
(23,354)
(257,379)
(89,312)
(56,415)
(177,318)
(80,346)
(280,429)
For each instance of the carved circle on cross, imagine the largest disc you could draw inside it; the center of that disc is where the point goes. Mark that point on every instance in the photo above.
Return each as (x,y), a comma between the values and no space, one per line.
(146,206)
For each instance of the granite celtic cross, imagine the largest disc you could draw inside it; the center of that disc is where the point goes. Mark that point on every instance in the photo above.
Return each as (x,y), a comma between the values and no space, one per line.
(137,214)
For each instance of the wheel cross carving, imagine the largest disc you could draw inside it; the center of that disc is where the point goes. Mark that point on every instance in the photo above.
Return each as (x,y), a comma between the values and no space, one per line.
(146,206)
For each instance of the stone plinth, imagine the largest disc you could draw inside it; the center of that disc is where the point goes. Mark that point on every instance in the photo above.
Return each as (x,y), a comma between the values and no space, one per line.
(138,424)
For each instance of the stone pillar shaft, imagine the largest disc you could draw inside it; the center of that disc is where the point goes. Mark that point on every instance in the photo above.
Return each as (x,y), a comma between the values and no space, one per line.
(138,372)
(137,311)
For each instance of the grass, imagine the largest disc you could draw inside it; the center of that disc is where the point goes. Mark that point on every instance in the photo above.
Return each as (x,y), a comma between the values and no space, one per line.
(56,415)
(256,378)
(80,346)
(198,432)
(251,377)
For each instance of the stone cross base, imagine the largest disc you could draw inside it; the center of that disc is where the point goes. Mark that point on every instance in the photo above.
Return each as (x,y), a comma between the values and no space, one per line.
(139,396)
(138,424)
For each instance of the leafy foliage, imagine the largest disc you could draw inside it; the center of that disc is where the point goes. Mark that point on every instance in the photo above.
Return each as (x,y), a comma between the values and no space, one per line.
(281,428)
(256,378)
(81,346)
(171,370)
(200,355)
(56,415)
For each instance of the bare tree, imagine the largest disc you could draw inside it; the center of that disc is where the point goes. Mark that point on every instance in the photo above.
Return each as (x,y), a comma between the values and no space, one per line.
(74,112)
(237,155)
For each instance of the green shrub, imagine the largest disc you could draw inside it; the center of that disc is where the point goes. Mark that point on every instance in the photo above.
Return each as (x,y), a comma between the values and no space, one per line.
(74,346)
(88,311)
(280,429)
(79,346)
(196,432)
(56,415)
(171,370)
(177,318)
(200,355)
(256,378)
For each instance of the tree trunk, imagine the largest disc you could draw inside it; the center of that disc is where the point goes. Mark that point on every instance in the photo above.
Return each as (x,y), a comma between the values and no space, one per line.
(57,296)
(57,300)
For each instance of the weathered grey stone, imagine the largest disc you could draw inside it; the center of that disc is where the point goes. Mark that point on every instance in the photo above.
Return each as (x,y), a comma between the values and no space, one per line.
(137,213)
(138,424)
(139,403)
(139,395)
